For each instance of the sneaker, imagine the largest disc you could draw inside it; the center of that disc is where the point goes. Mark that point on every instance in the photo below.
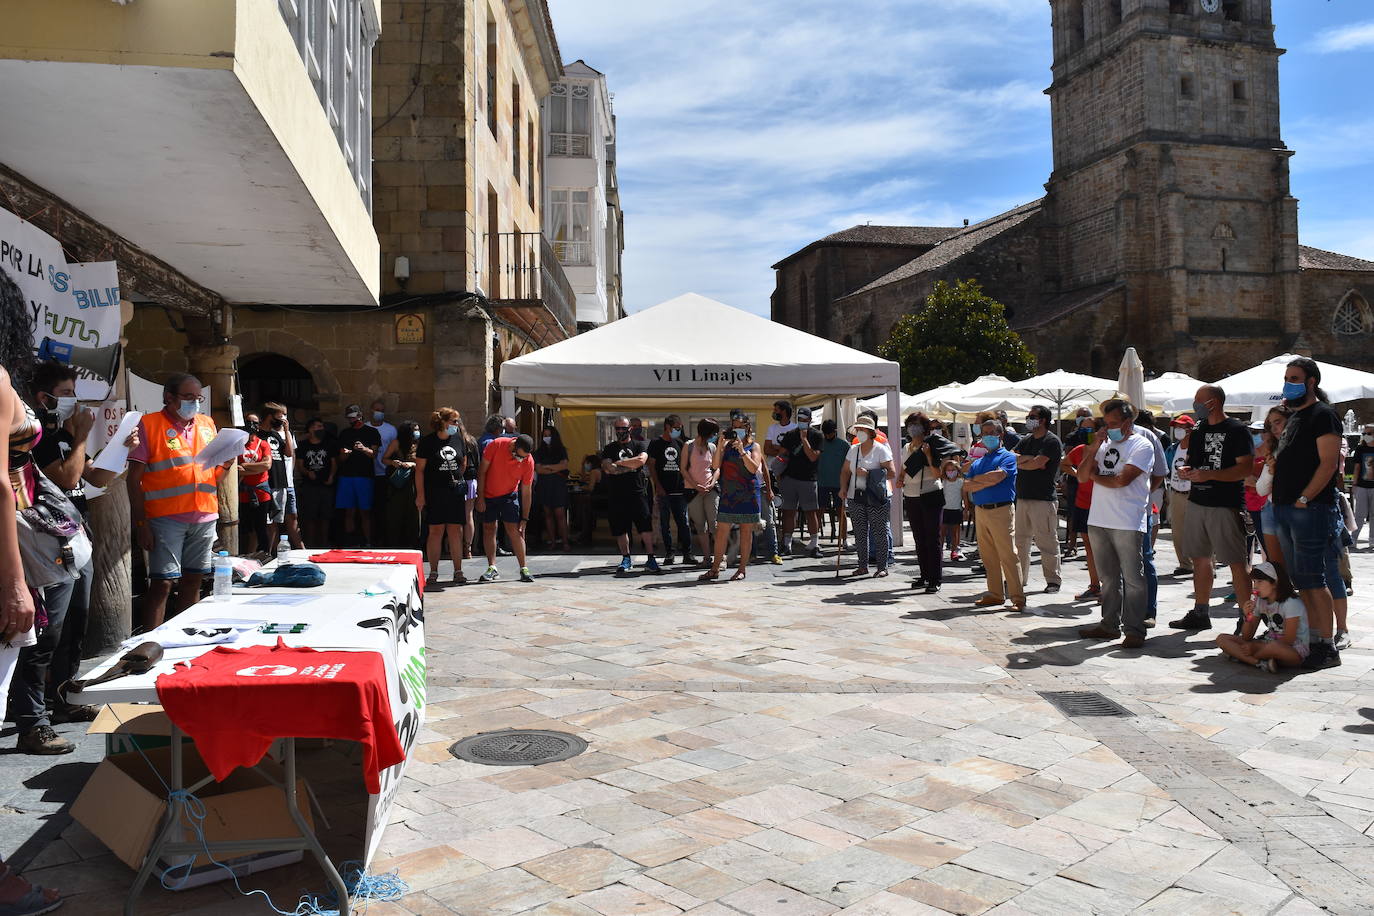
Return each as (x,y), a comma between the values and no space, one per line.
(42,740)
(815,553)
(651,565)
(503,552)
(1091,594)
(71,712)
(525,574)
(1052,588)
(1230,596)
(932,588)
(918,582)
(1342,641)
(776,561)
(1193,620)
(1322,655)
(688,560)
(954,556)
(491,575)
(625,566)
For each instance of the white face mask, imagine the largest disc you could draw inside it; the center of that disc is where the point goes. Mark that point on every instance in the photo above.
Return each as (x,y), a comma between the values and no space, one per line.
(188,409)
(64,409)
(1180,434)
(1032,424)
(1369,438)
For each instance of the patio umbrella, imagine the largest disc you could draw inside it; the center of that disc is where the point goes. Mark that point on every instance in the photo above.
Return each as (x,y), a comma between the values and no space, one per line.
(1061,388)
(1168,386)
(1130,378)
(1261,386)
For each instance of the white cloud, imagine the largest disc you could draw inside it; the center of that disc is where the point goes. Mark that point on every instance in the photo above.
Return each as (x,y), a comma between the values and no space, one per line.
(747,129)
(1351,37)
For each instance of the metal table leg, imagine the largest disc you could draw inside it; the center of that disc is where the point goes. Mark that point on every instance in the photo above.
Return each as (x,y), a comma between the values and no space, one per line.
(165,844)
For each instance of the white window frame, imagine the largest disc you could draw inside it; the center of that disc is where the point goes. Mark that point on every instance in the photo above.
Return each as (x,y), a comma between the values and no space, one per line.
(575,250)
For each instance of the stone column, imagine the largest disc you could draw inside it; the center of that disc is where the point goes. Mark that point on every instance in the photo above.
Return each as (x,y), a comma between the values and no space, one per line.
(214,366)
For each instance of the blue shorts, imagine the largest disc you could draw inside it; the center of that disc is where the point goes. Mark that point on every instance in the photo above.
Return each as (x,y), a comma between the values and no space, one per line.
(180,548)
(1308,539)
(502,509)
(354,493)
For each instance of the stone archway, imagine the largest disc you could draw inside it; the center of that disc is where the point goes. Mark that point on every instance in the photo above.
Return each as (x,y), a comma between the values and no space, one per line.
(263,341)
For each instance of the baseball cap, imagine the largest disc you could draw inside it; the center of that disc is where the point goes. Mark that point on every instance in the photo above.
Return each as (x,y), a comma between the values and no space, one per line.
(737,414)
(1266,570)
(1183,420)
(1257,426)
(353,410)
(803,413)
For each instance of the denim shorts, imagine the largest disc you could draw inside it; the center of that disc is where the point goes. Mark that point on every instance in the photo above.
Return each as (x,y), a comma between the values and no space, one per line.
(180,548)
(1308,540)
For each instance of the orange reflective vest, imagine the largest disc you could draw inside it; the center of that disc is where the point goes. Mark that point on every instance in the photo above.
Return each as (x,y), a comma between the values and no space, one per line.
(173,483)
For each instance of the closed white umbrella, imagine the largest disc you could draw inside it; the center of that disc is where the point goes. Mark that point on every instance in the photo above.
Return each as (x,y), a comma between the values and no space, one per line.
(1130,378)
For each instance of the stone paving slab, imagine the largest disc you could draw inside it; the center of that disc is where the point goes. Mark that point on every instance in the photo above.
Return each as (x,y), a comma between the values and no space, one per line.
(794,744)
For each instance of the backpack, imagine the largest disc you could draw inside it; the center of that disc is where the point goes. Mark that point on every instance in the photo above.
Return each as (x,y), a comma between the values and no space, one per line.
(53,544)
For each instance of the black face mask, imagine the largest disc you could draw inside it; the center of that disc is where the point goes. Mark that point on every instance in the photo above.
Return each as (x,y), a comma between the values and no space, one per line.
(622,434)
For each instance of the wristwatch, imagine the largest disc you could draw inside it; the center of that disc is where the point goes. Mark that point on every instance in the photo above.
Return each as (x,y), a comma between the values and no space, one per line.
(1302,500)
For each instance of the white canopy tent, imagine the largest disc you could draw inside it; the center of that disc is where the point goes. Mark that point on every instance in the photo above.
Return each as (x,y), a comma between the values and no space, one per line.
(1262,385)
(1062,389)
(692,350)
(1168,387)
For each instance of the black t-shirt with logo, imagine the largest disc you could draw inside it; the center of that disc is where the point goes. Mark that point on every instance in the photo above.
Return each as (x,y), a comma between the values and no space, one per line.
(624,483)
(313,459)
(800,467)
(1216,447)
(445,461)
(1298,459)
(664,453)
(276,475)
(57,446)
(355,463)
(1038,483)
(1362,461)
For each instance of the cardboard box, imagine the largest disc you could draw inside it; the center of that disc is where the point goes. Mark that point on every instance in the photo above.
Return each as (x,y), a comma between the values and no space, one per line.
(130,726)
(124,802)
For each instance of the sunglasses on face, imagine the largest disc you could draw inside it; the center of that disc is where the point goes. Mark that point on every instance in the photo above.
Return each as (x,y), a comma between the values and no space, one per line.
(622,429)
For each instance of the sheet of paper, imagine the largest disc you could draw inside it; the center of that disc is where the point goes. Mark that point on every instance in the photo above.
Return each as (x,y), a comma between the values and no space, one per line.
(226,446)
(115,454)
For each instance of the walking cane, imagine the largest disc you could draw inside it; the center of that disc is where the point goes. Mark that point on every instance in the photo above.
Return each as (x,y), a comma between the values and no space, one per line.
(839,545)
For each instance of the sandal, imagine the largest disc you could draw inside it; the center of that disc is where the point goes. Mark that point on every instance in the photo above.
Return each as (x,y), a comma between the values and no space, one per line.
(709,575)
(34,901)
(460,579)
(861,571)
(880,573)
(739,574)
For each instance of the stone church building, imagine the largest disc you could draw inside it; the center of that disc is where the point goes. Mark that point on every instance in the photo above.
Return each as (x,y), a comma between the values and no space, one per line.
(1167,224)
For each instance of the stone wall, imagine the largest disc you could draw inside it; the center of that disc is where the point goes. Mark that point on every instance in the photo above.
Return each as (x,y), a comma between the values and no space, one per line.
(1322,291)
(828,273)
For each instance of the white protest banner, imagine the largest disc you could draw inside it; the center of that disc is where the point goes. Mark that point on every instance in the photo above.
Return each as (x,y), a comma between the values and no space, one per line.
(76,305)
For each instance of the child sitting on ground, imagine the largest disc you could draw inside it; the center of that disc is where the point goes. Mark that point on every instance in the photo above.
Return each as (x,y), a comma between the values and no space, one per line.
(1284,644)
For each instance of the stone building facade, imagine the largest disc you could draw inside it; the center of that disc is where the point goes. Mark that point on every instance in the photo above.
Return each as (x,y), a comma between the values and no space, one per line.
(1168,222)
(467,280)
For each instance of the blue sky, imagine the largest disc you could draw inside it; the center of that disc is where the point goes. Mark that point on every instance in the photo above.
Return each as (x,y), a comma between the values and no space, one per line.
(748,128)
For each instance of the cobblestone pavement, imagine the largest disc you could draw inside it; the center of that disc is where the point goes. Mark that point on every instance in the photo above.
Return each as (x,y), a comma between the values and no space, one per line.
(798,744)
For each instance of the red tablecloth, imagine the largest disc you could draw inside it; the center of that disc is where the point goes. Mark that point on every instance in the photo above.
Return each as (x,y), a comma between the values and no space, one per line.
(235,702)
(413,557)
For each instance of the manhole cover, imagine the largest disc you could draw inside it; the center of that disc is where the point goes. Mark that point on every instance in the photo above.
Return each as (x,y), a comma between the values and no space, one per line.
(518,747)
(1084,703)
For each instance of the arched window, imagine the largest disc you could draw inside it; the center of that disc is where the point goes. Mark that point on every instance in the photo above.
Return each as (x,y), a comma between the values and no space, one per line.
(1353,316)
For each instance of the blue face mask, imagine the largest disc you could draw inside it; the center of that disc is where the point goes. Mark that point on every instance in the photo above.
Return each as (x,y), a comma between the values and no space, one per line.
(1294,391)
(711,440)
(1200,412)
(416,434)
(451,430)
(741,433)
(675,433)
(1257,438)
(188,409)
(991,443)
(1115,435)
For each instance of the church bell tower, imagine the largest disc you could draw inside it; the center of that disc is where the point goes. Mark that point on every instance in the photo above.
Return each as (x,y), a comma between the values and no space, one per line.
(1170,180)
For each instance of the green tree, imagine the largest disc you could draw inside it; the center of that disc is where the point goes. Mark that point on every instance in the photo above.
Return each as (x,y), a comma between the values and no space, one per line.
(959,334)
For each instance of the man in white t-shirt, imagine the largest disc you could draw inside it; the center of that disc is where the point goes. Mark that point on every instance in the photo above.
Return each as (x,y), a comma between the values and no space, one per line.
(783,423)
(1119,466)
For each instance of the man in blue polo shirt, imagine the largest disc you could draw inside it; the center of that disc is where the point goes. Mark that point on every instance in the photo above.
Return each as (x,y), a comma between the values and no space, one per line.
(992,488)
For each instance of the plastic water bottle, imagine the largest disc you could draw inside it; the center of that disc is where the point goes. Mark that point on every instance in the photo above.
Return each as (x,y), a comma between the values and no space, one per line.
(224,577)
(283,550)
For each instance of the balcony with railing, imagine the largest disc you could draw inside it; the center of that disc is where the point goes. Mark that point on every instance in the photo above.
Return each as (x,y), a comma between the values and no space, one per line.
(529,288)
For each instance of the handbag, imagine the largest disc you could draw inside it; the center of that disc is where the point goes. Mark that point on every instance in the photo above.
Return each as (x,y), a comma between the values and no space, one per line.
(400,478)
(53,544)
